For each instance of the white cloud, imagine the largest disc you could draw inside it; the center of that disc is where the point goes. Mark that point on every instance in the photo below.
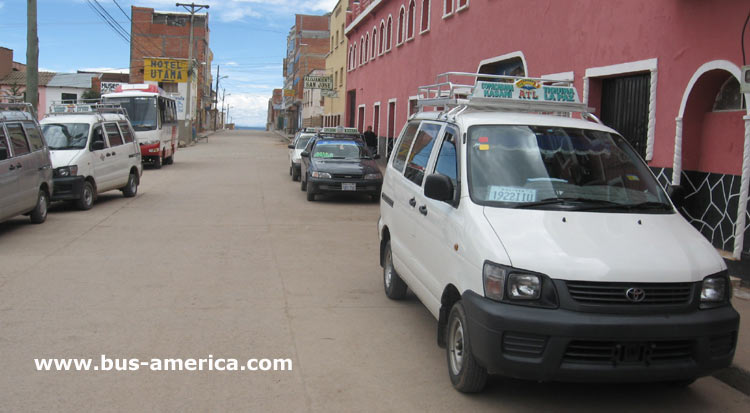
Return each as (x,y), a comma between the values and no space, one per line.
(104,70)
(248,109)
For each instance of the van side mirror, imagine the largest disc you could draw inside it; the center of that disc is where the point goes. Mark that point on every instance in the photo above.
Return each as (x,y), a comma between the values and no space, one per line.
(305,154)
(290,146)
(97,145)
(438,187)
(677,194)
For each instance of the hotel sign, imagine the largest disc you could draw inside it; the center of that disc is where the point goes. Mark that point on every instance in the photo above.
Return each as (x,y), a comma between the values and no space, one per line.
(165,70)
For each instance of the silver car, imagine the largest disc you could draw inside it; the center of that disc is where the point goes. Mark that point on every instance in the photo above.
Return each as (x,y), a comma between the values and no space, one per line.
(25,167)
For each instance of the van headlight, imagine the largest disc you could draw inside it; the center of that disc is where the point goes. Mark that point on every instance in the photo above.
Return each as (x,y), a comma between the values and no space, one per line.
(66,171)
(715,291)
(511,285)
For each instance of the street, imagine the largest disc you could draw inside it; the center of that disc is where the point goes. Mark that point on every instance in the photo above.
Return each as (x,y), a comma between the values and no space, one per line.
(220,254)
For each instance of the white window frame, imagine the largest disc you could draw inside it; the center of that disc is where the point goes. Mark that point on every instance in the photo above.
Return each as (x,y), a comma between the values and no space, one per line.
(381,38)
(413,18)
(453,8)
(364,111)
(648,65)
(402,26)
(429,17)
(389,28)
(374,43)
(461,8)
(395,116)
(412,98)
(367,48)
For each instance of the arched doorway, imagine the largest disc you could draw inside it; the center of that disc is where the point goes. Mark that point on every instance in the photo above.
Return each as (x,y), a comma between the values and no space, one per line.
(712,142)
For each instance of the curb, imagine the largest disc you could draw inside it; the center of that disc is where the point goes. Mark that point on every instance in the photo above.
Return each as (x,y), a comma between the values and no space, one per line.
(736,377)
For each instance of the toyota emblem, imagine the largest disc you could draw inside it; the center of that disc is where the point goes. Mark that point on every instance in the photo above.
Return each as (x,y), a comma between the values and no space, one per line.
(635,294)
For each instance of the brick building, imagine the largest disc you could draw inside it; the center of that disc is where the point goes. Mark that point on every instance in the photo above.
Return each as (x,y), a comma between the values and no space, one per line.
(167,35)
(307,47)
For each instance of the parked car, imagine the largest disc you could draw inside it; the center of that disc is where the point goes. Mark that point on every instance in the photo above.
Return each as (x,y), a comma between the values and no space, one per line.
(295,149)
(25,167)
(93,151)
(545,247)
(339,165)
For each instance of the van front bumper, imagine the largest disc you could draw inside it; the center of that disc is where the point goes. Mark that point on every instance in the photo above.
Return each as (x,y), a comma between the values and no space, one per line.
(562,345)
(67,188)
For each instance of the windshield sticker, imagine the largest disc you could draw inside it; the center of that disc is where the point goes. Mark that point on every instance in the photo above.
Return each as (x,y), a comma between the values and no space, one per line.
(323,155)
(511,194)
(484,147)
(633,178)
(547,179)
(484,139)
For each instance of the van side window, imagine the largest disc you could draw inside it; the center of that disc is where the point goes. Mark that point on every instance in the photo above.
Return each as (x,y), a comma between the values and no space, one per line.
(97,135)
(420,152)
(113,133)
(126,132)
(403,148)
(35,138)
(447,163)
(18,139)
(4,148)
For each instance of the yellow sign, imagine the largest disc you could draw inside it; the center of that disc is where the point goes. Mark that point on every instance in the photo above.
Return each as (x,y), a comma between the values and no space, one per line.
(165,70)
(289,92)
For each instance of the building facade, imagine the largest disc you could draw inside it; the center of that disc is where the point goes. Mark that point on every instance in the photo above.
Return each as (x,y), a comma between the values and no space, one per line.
(274,120)
(163,34)
(665,74)
(335,106)
(307,47)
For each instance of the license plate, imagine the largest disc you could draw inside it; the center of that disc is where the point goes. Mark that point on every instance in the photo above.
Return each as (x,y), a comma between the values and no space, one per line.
(348,187)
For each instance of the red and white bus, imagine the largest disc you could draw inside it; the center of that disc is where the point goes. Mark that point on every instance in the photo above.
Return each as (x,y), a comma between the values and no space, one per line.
(153,114)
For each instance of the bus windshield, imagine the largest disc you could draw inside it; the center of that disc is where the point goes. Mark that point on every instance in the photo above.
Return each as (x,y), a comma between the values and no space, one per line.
(141,111)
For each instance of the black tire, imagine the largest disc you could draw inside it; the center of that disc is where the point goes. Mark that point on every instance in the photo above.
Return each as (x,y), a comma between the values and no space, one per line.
(681,383)
(302,185)
(39,213)
(290,171)
(86,201)
(169,160)
(310,195)
(131,188)
(157,162)
(394,286)
(466,374)
(295,175)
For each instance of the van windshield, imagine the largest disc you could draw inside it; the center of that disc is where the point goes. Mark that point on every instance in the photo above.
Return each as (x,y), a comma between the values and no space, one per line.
(61,136)
(559,168)
(141,111)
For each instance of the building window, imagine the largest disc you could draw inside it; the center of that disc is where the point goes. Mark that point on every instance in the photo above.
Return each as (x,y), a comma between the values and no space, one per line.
(337,38)
(729,97)
(332,44)
(624,107)
(462,4)
(448,8)
(362,51)
(413,108)
(388,34)
(69,97)
(374,44)
(341,78)
(335,77)
(401,21)
(366,49)
(411,17)
(425,26)
(381,38)
(343,33)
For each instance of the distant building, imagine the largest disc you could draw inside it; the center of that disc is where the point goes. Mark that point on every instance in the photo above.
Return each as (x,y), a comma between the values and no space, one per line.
(312,103)
(275,121)
(665,74)
(307,47)
(335,106)
(166,35)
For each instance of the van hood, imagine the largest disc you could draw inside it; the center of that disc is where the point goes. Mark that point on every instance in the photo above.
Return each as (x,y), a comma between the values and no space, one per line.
(63,157)
(597,246)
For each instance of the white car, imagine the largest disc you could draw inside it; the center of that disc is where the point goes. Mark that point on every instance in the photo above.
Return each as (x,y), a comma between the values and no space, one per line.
(544,246)
(93,150)
(295,149)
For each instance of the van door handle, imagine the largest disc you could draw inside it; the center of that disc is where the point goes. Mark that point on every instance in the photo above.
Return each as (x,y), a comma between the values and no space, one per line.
(413,202)
(18,165)
(109,154)
(12,168)
(113,153)
(423,210)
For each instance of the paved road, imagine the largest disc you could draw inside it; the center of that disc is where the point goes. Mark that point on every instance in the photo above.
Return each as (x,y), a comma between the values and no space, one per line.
(221,254)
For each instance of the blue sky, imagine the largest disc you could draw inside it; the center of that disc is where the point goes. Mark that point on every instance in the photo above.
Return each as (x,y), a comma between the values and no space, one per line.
(248,38)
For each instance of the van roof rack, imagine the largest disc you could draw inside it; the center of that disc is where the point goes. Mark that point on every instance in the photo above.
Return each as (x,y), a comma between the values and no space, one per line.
(66,107)
(458,91)
(17,111)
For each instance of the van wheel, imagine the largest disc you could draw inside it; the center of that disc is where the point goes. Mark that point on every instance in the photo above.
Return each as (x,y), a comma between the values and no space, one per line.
(39,213)
(302,185)
(310,195)
(466,374)
(290,171)
(157,162)
(131,188)
(295,175)
(395,287)
(169,160)
(86,201)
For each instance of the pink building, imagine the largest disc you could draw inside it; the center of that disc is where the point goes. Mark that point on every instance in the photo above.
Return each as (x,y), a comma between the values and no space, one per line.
(664,73)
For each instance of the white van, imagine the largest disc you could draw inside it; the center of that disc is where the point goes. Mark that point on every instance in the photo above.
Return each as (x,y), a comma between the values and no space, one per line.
(93,150)
(543,244)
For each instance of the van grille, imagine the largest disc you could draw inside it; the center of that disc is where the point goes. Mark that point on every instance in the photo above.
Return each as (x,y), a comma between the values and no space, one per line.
(611,352)
(604,293)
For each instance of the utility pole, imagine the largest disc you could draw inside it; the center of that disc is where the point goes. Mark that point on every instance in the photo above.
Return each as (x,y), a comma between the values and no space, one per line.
(216,97)
(32,55)
(192,8)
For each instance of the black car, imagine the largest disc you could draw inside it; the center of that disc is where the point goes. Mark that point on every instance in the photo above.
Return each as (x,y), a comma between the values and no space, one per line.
(339,165)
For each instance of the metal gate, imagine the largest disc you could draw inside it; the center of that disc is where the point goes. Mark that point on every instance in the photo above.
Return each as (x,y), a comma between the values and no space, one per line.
(625,108)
